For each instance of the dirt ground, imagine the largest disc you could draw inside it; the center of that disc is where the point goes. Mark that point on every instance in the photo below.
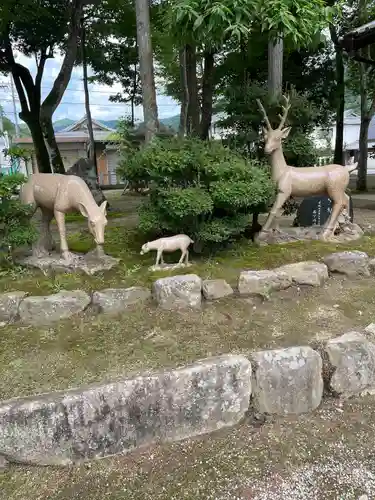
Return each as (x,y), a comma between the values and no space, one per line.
(94,349)
(326,455)
(321,456)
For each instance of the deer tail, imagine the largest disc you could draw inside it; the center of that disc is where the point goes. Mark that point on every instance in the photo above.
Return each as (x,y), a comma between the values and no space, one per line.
(352,168)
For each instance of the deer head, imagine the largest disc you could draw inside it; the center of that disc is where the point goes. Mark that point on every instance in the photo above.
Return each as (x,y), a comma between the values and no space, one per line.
(97,220)
(273,137)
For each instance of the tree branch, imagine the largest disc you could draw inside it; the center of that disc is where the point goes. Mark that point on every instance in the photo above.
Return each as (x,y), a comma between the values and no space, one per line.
(54,97)
(39,74)
(21,76)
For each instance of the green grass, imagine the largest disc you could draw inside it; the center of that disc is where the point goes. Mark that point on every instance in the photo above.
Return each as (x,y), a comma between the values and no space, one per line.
(126,243)
(99,348)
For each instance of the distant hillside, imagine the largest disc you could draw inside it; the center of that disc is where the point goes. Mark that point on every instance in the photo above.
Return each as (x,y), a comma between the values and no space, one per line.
(171,121)
(63,123)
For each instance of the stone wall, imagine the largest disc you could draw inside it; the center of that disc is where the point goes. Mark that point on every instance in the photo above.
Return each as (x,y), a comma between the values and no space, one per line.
(182,291)
(73,426)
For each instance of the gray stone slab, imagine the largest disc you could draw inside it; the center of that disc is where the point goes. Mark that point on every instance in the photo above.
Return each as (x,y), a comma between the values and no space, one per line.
(306,273)
(116,300)
(89,263)
(287,381)
(216,289)
(9,305)
(352,363)
(77,425)
(47,309)
(263,282)
(175,292)
(351,263)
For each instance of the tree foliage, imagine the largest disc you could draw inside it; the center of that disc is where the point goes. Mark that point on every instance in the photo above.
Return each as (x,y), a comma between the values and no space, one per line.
(200,188)
(112,49)
(15,225)
(40,29)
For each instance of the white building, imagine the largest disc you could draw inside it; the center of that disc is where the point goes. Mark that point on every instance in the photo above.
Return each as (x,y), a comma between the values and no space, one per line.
(5,164)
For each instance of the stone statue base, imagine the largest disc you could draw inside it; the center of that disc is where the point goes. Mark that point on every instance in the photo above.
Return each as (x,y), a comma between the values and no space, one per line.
(169,267)
(89,263)
(346,232)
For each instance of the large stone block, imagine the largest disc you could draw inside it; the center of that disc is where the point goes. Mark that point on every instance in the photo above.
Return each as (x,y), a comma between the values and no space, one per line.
(351,359)
(176,292)
(115,300)
(306,273)
(287,381)
(46,309)
(216,289)
(9,305)
(350,263)
(263,282)
(78,425)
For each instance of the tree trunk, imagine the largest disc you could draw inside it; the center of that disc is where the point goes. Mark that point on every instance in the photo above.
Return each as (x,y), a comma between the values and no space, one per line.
(363,154)
(208,86)
(275,67)
(146,69)
(191,77)
(340,96)
(40,148)
(91,155)
(182,129)
(54,152)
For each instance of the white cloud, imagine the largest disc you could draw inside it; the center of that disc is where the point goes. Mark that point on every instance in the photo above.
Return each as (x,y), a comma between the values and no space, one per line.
(72,105)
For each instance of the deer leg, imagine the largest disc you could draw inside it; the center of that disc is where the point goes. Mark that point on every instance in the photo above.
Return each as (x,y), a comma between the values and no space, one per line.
(45,243)
(277,206)
(183,253)
(187,256)
(338,205)
(159,256)
(64,249)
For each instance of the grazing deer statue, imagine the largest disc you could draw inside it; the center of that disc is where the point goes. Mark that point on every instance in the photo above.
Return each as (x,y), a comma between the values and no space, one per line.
(331,180)
(57,195)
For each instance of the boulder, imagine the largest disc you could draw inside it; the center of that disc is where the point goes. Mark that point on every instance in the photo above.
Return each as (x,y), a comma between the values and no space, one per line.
(351,361)
(77,425)
(176,292)
(287,381)
(371,265)
(306,273)
(216,289)
(50,308)
(263,282)
(350,263)
(9,305)
(115,300)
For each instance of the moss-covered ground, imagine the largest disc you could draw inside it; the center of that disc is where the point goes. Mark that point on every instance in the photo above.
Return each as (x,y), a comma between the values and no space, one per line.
(320,450)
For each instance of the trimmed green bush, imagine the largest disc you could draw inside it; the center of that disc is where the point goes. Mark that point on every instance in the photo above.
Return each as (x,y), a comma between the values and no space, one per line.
(199,188)
(15,225)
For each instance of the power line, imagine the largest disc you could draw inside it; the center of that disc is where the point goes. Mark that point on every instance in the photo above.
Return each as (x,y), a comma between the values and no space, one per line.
(102,105)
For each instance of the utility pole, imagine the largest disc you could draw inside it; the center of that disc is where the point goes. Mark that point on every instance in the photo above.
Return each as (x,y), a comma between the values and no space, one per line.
(14,107)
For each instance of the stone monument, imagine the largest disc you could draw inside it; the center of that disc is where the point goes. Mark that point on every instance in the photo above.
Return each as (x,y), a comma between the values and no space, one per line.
(57,195)
(330,180)
(315,211)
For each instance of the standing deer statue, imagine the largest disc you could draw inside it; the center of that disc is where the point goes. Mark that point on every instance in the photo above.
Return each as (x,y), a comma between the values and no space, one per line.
(331,180)
(57,195)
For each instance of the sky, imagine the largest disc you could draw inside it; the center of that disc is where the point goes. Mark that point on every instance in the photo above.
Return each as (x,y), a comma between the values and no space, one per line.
(72,105)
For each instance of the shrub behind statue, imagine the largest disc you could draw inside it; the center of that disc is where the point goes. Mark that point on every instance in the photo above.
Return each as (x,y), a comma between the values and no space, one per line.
(199,188)
(15,226)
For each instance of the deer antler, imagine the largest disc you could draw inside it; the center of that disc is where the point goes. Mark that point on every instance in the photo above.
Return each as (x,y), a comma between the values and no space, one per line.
(285,112)
(263,111)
